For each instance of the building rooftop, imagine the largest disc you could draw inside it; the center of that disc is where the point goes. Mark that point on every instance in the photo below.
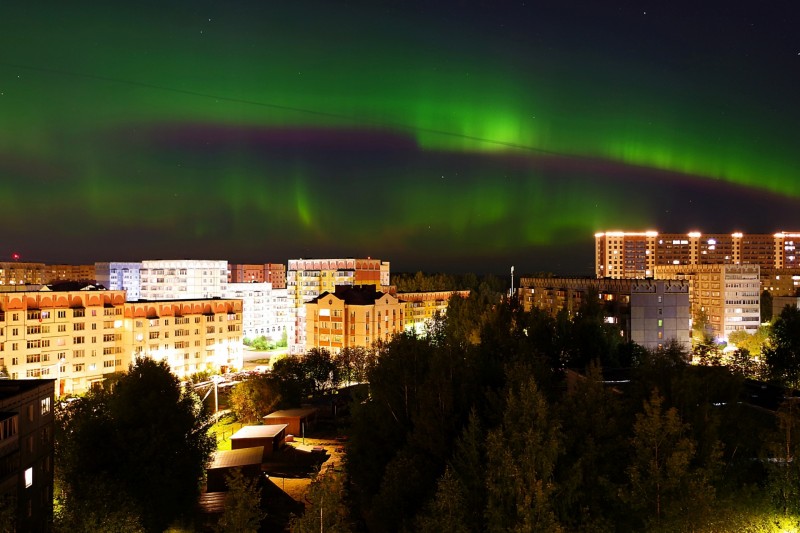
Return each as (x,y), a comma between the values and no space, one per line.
(259,432)
(236,458)
(12,387)
(353,295)
(292,413)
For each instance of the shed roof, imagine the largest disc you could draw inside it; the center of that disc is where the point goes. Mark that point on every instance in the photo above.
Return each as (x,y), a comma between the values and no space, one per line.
(236,458)
(293,413)
(259,432)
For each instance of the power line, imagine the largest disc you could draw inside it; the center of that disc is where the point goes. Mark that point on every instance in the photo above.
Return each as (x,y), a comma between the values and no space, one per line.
(301,110)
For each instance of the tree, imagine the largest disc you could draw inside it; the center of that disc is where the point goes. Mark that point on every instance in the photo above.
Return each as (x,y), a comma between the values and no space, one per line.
(352,364)
(783,466)
(754,343)
(325,509)
(782,356)
(253,398)
(147,441)
(663,484)
(290,377)
(447,511)
(522,455)
(320,369)
(766,306)
(243,512)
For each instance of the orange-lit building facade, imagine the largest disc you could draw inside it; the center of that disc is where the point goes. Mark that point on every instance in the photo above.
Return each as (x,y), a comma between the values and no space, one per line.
(79,337)
(422,307)
(352,316)
(56,273)
(274,273)
(306,279)
(621,254)
(16,273)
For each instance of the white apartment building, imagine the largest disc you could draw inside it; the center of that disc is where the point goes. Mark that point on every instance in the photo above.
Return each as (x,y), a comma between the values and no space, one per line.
(265,311)
(119,276)
(182,279)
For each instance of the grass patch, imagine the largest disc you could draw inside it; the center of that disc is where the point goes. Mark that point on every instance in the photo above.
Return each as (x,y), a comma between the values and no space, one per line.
(223,429)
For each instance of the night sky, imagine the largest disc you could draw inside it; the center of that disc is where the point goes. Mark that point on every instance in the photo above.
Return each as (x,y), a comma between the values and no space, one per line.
(456,136)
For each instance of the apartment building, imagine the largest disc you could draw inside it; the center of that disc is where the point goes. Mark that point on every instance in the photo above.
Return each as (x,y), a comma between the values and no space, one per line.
(272,273)
(59,273)
(422,307)
(182,279)
(16,273)
(352,316)
(79,337)
(191,335)
(26,452)
(648,312)
(265,310)
(621,254)
(120,276)
(728,295)
(306,279)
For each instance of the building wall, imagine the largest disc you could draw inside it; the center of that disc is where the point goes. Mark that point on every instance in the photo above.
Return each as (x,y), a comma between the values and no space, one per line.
(15,273)
(308,278)
(56,273)
(648,312)
(334,324)
(422,307)
(182,279)
(26,450)
(729,295)
(191,335)
(78,338)
(264,309)
(120,276)
(634,254)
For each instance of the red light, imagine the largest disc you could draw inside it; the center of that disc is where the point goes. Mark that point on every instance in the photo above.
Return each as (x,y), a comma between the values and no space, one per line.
(15,256)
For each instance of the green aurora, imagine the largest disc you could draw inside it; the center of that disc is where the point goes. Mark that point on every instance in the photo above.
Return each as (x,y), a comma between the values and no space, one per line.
(258,130)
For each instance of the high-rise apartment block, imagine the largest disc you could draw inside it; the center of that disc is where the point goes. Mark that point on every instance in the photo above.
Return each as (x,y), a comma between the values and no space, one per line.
(26,452)
(306,279)
(183,278)
(273,273)
(621,254)
(79,273)
(78,337)
(120,276)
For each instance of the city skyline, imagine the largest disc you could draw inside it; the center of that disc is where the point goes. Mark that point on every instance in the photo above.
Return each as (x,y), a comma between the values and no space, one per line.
(457,137)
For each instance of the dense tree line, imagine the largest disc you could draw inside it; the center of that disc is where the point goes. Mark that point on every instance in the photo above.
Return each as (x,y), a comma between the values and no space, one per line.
(482,426)
(422,282)
(131,458)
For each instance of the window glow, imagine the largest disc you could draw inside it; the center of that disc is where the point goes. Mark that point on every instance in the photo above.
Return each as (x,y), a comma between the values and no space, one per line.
(28,477)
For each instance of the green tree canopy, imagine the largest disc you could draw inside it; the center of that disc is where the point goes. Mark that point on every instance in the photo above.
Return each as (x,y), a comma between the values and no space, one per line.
(147,442)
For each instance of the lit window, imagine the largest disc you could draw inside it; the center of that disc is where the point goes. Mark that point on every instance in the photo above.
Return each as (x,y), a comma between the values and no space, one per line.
(28,477)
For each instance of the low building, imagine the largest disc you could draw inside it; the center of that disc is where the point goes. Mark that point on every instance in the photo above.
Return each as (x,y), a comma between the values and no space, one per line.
(648,312)
(26,451)
(269,437)
(779,302)
(296,420)
(248,460)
